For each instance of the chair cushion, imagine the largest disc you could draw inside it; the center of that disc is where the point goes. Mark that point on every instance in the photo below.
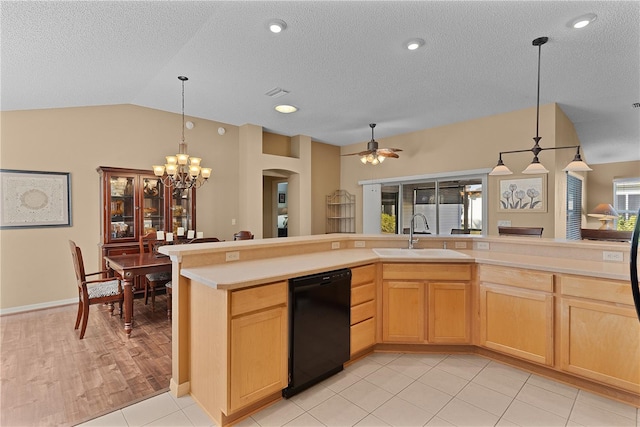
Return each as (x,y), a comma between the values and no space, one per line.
(103,289)
(158,277)
(168,285)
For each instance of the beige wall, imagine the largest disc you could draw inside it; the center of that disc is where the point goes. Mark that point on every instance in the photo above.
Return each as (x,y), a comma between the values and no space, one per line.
(474,145)
(325,178)
(35,263)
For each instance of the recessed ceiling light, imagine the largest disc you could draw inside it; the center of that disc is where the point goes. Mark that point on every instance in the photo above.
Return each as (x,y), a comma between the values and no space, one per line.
(582,21)
(414,44)
(286,109)
(277,26)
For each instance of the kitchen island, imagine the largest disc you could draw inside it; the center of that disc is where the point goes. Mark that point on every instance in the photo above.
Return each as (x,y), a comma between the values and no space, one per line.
(548,306)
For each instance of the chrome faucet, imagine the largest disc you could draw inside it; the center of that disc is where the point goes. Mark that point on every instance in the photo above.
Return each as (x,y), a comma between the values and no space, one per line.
(411,228)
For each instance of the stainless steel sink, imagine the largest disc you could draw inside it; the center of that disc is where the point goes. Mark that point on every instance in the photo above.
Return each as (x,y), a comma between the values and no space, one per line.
(418,253)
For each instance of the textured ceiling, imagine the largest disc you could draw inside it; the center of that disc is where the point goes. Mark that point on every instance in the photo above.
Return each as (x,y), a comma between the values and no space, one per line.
(343,63)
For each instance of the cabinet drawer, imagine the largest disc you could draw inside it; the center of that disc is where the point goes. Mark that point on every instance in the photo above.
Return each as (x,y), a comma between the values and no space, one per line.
(362,275)
(426,271)
(362,294)
(362,312)
(536,280)
(363,335)
(258,298)
(598,289)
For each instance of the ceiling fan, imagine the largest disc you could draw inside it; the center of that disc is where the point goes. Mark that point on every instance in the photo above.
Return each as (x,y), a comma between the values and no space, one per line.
(373,154)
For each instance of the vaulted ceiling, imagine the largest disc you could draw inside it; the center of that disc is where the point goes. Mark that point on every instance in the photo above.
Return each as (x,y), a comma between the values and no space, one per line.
(344,64)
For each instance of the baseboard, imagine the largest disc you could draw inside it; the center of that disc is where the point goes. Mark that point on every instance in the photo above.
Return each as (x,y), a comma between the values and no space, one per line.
(34,307)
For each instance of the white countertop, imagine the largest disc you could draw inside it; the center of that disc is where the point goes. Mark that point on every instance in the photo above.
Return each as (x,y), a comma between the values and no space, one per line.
(240,274)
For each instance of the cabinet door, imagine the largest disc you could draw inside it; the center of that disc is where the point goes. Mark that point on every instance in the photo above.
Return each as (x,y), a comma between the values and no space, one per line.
(182,210)
(601,342)
(403,311)
(258,358)
(517,322)
(153,204)
(120,207)
(449,313)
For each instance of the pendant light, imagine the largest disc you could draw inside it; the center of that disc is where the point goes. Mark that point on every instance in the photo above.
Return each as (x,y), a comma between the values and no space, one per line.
(535,167)
(182,172)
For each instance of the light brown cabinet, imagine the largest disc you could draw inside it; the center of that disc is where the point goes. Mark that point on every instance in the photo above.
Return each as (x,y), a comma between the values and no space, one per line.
(517,312)
(599,331)
(363,308)
(449,313)
(426,303)
(239,346)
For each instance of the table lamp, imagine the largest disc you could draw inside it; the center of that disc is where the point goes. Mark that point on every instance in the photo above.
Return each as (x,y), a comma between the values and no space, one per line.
(606,214)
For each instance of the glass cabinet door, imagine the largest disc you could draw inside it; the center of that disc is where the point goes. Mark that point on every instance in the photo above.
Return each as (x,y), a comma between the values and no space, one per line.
(181,211)
(153,214)
(122,207)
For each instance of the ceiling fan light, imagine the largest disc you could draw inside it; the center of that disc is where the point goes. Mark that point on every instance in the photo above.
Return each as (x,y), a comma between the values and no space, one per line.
(381,159)
(363,159)
(375,161)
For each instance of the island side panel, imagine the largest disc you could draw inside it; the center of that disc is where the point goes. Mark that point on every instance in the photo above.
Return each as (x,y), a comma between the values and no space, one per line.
(209,349)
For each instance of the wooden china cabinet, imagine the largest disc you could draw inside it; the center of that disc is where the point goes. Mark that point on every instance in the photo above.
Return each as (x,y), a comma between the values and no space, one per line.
(135,202)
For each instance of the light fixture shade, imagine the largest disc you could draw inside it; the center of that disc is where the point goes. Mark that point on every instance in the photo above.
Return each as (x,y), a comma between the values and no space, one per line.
(363,159)
(158,170)
(205,172)
(195,161)
(172,169)
(577,166)
(606,214)
(172,160)
(501,170)
(535,169)
(182,158)
(604,210)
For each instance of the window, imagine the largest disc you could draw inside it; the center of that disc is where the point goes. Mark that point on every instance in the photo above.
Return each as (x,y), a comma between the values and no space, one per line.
(626,200)
(449,204)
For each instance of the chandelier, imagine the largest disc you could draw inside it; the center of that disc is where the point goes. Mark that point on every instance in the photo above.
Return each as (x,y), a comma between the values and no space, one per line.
(182,172)
(576,165)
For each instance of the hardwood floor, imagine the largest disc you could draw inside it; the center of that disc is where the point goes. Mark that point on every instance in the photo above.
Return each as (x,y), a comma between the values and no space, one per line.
(50,377)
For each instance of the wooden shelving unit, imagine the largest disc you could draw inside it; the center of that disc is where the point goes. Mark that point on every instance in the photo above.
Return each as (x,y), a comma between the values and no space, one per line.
(341,210)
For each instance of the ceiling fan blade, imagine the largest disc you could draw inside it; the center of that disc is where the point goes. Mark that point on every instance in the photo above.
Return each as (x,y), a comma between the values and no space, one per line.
(387,154)
(389,150)
(361,153)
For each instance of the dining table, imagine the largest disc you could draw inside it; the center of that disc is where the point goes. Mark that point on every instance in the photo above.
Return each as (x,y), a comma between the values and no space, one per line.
(130,266)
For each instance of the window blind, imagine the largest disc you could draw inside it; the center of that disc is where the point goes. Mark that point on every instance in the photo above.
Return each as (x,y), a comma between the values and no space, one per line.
(574,207)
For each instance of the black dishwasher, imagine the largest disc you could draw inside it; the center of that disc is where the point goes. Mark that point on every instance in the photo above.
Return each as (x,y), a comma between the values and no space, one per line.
(319,327)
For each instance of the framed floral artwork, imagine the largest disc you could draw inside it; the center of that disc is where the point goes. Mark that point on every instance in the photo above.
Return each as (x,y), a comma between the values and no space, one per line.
(34,199)
(523,195)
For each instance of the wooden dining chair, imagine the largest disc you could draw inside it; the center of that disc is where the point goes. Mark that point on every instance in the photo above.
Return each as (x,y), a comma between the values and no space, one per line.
(98,291)
(520,231)
(149,243)
(607,235)
(169,288)
(460,231)
(204,240)
(243,235)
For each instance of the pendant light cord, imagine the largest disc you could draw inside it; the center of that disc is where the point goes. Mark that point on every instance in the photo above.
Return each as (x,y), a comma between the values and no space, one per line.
(537,102)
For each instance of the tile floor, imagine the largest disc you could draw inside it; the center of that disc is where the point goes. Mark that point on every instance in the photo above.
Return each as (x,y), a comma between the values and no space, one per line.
(394,389)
